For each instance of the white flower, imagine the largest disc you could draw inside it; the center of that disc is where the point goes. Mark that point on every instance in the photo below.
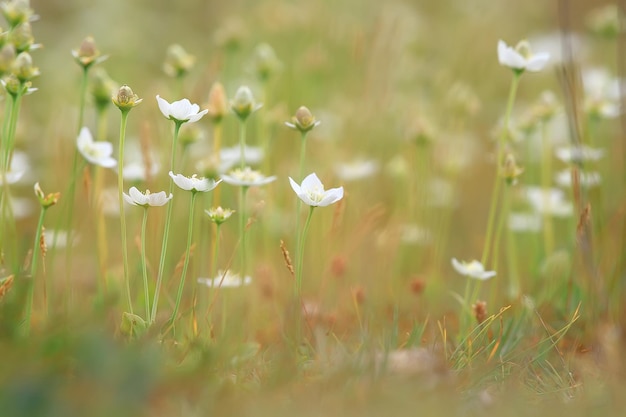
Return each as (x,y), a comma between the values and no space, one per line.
(524,222)
(521,58)
(181,110)
(136,170)
(98,153)
(194,183)
(231,156)
(602,93)
(225,280)
(137,198)
(473,269)
(246,177)
(312,192)
(579,154)
(19,169)
(587,179)
(551,201)
(356,170)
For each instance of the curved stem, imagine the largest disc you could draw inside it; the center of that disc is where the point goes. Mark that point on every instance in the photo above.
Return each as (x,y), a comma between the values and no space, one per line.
(166,232)
(179,295)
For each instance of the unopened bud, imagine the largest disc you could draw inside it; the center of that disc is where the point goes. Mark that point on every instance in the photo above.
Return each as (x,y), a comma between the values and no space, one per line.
(218,104)
(177,61)
(22,37)
(17,12)
(87,53)
(510,170)
(102,88)
(266,61)
(303,120)
(23,67)
(7,57)
(243,104)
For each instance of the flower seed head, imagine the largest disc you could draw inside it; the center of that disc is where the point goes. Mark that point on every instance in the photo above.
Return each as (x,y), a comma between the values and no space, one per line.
(303,120)
(125,99)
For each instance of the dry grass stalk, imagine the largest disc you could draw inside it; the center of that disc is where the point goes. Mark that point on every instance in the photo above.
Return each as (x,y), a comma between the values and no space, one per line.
(287,258)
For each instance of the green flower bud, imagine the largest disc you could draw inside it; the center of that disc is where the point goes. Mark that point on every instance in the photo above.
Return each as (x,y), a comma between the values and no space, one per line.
(243,104)
(22,37)
(17,12)
(266,61)
(87,53)
(102,87)
(23,67)
(177,61)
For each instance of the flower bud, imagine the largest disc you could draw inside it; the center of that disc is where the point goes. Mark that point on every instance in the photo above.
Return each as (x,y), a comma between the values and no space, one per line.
(303,120)
(87,53)
(125,99)
(243,104)
(102,87)
(23,67)
(266,62)
(177,61)
(190,135)
(46,200)
(218,104)
(22,37)
(7,57)
(17,12)
(510,171)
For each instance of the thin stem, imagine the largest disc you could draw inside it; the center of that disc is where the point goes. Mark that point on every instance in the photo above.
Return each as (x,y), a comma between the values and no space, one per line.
(301,253)
(546,179)
(187,255)
(120,187)
(300,178)
(497,185)
(144,269)
(242,229)
(168,220)
(242,143)
(33,270)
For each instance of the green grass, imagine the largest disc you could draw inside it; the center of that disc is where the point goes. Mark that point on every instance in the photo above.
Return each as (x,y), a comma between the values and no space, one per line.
(384,325)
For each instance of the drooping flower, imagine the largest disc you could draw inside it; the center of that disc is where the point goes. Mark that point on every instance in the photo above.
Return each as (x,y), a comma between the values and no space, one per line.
(193,183)
(312,192)
(473,269)
(97,153)
(147,199)
(247,177)
(521,57)
(180,111)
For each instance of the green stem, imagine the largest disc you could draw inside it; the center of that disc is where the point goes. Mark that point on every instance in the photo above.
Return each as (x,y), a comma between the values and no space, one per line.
(242,229)
(300,178)
(242,143)
(179,295)
(33,270)
(546,179)
(168,220)
(497,185)
(301,253)
(120,187)
(144,269)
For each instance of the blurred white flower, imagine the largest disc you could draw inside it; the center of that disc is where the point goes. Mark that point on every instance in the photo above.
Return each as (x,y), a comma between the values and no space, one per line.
(137,198)
(225,280)
(230,157)
(413,234)
(525,222)
(549,201)
(61,236)
(312,192)
(180,111)
(473,269)
(97,153)
(136,170)
(577,154)
(246,178)
(193,183)
(587,179)
(22,207)
(521,57)
(356,170)
(602,93)
(19,169)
